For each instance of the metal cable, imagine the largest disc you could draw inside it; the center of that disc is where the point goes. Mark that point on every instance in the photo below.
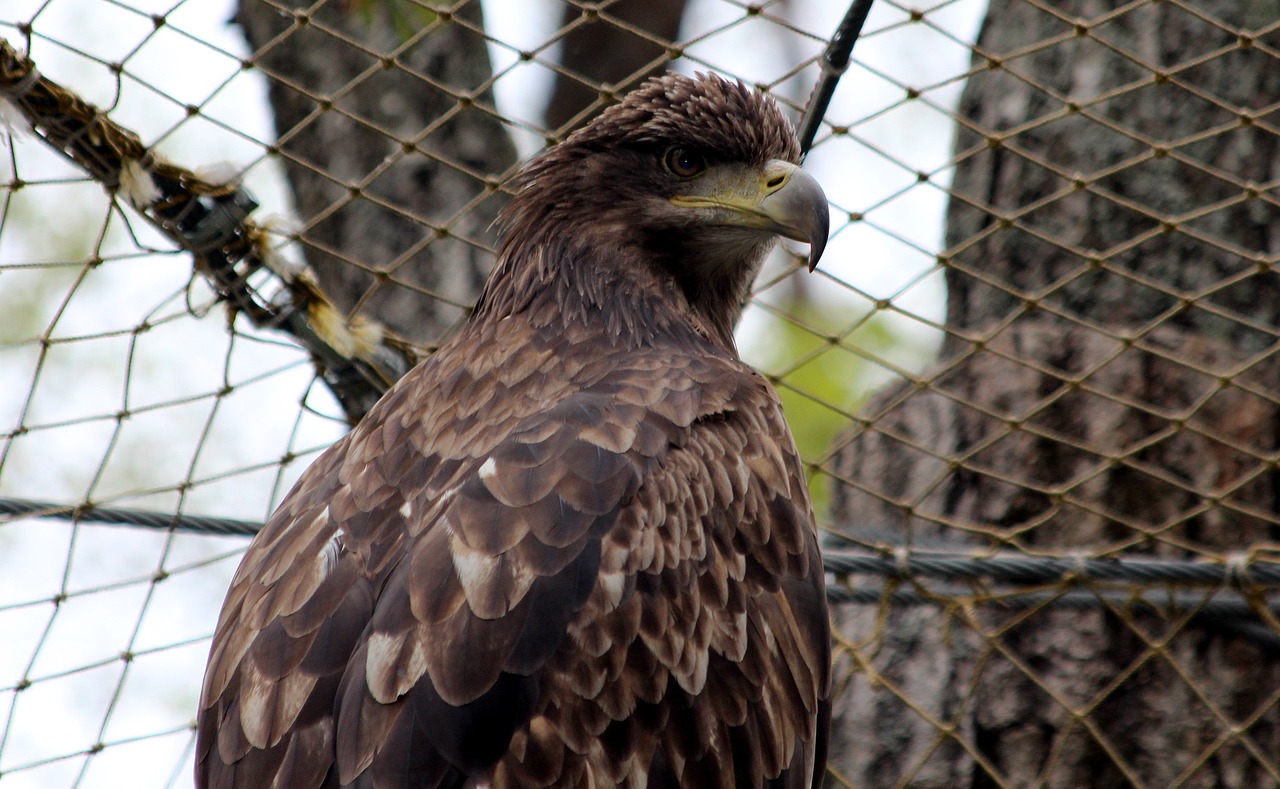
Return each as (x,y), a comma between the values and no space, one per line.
(1009,567)
(1002,567)
(85,513)
(1185,601)
(834,61)
(1234,616)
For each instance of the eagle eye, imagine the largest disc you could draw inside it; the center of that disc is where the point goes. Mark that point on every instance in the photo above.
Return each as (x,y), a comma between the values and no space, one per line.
(683,162)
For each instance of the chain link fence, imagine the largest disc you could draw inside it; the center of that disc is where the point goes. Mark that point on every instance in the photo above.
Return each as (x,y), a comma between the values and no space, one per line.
(1034,379)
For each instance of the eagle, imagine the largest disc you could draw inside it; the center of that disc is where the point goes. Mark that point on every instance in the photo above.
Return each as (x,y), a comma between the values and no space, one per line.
(574,547)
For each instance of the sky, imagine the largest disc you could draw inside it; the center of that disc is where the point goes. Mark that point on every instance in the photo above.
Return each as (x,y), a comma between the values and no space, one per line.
(97,650)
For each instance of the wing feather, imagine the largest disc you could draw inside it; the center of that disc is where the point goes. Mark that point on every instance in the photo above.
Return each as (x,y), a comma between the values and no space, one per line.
(619,588)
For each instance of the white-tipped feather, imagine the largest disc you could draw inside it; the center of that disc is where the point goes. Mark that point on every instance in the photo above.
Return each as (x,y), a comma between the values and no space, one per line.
(12,121)
(137,186)
(277,231)
(219,173)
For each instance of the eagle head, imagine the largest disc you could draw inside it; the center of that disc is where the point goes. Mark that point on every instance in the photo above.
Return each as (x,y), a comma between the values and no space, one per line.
(692,178)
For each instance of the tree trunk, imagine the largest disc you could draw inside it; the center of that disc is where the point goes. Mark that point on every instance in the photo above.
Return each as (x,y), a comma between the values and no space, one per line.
(1108,386)
(611,53)
(393,151)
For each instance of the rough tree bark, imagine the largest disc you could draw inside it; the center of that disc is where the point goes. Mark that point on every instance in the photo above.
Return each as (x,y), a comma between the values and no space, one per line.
(1109,384)
(383,148)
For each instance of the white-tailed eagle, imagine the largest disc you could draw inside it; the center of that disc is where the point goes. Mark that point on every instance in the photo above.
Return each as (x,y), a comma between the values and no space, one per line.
(573,547)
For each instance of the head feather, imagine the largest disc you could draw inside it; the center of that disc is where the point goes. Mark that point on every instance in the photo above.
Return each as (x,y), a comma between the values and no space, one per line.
(707,110)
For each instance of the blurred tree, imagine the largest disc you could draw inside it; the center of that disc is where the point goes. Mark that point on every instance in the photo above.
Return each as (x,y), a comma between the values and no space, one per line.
(610,47)
(1112,336)
(392,148)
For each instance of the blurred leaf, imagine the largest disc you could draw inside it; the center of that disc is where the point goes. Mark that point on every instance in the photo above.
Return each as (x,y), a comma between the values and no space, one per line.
(823,372)
(406,17)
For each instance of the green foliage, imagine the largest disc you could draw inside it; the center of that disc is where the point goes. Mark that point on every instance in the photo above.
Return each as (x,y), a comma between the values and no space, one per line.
(406,17)
(822,362)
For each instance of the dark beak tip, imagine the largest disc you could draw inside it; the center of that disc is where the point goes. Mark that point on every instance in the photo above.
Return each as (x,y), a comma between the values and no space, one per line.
(799,210)
(818,237)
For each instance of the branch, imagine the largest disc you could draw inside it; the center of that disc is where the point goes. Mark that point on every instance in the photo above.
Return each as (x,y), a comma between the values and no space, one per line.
(356,357)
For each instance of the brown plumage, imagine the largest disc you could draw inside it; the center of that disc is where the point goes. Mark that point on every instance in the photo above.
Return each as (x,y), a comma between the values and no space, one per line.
(574,547)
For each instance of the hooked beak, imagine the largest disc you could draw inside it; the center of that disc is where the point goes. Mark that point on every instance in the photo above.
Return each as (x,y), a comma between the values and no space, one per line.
(778,198)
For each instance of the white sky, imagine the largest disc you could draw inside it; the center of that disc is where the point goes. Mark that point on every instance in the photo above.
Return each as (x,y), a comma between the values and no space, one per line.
(167,378)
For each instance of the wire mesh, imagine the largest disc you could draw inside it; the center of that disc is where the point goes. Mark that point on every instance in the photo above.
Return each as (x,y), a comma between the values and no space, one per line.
(1033,379)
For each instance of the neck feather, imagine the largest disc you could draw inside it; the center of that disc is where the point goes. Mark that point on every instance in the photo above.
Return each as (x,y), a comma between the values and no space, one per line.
(607,279)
